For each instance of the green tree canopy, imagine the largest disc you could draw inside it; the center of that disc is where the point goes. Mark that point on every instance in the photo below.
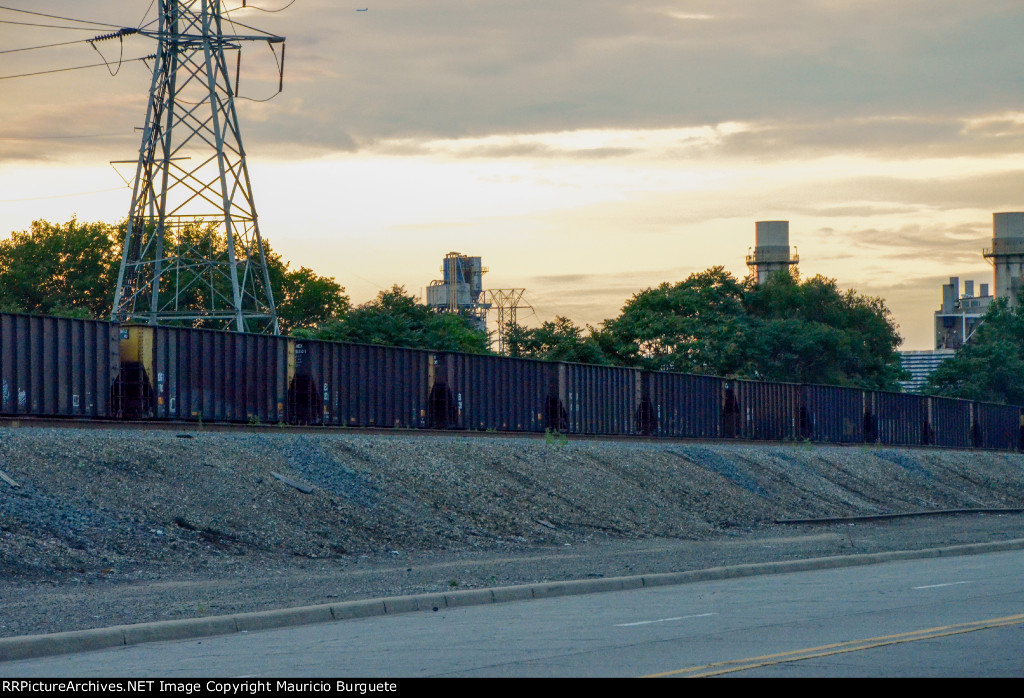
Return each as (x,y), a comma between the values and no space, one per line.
(812,332)
(782,330)
(304,299)
(71,269)
(395,318)
(65,269)
(698,325)
(560,340)
(989,368)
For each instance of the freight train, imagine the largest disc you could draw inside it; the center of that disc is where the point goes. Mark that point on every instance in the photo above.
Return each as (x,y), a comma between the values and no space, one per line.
(89,369)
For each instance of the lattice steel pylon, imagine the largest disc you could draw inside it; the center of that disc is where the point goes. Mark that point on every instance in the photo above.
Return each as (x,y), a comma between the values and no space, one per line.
(506,300)
(192,252)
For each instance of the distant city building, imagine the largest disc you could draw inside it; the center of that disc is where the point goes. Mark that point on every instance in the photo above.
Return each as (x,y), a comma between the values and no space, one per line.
(959,316)
(920,365)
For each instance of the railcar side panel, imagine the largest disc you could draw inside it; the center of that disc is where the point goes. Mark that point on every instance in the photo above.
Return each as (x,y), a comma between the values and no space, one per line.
(950,422)
(767,411)
(898,419)
(208,375)
(358,385)
(493,392)
(996,427)
(57,367)
(832,414)
(599,399)
(681,405)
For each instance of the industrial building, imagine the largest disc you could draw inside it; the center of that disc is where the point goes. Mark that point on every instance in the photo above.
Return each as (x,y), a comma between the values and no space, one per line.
(460,290)
(959,316)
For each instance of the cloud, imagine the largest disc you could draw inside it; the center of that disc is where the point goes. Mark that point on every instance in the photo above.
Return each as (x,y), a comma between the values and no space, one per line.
(948,244)
(813,75)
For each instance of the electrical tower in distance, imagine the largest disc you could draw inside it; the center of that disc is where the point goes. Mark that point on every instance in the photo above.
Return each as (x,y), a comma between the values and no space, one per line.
(506,300)
(192,249)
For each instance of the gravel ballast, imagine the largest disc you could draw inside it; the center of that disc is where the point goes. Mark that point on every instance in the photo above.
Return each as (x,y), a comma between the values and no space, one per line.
(106,527)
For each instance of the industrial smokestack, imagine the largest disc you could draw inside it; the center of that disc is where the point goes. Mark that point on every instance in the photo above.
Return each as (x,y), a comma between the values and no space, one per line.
(1007,254)
(771,249)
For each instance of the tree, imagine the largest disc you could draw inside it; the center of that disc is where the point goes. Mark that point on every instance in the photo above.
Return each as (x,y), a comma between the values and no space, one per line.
(812,332)
(783,330)
(395,318)
(304,299)
(698,325)
(55,269)
(989,368)
(560,340)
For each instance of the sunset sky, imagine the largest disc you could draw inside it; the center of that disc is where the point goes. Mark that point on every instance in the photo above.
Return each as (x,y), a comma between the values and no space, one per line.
(585,149)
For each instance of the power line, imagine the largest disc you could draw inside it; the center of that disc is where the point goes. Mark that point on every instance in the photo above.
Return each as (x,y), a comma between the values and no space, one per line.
(119,34)
(66,19)
(33,48)
(77,67)
(38,138)
(261,9)
(50,26)
(255,29)
(120,57)
(146,13)
(59,196)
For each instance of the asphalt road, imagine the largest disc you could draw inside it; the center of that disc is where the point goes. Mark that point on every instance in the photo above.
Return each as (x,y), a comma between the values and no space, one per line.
(956,617)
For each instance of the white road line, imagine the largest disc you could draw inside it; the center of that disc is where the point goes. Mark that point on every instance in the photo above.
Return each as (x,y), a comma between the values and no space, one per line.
(936,586)
(663,620)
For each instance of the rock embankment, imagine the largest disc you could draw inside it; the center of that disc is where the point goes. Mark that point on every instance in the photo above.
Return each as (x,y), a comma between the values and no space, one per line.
(109,504)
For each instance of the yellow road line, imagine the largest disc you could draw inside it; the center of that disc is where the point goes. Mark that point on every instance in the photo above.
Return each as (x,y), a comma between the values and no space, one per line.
(734,665)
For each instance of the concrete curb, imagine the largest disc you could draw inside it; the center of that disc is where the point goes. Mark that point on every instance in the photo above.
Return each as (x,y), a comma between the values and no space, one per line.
(34,646)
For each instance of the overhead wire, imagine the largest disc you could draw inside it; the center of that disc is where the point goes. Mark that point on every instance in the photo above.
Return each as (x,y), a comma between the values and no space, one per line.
(270,45)
(66,19)
(48,26)
(255,29)
(60,196)
(33,48)
(77,67)
(40,138)
(261,9)
(280,72)
(119,35)
(146,13)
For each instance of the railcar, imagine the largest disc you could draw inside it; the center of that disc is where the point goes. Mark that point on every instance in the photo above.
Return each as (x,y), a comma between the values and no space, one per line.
(72,368)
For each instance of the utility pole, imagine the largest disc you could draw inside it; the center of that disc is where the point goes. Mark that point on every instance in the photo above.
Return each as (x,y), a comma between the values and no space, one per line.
(192,252)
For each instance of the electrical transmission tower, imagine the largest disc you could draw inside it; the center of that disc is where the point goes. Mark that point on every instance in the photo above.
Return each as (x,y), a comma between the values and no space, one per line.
(192,250)
(506,300)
